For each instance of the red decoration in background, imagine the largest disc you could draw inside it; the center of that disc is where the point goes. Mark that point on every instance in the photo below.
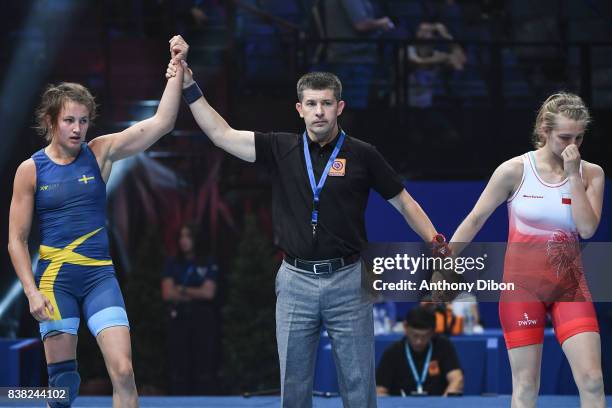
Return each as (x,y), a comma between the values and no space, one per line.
(157,195)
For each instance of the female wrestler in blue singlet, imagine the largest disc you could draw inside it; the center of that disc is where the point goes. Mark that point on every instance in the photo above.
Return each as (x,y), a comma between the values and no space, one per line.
(65,183)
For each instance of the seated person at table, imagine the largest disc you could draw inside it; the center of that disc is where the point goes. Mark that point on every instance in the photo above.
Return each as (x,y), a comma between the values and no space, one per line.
(421,362)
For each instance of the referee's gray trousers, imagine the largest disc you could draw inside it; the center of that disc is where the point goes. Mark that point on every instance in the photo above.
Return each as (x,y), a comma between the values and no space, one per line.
(337,300)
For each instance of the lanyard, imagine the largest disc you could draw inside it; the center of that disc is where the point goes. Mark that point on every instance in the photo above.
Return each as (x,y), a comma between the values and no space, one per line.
(316,188)
(419,380)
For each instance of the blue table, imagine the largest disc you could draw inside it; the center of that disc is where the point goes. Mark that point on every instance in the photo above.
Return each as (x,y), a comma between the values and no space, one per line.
(484,360)
(20,361)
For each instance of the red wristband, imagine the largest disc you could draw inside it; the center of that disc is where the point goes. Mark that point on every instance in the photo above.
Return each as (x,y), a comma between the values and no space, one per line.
(440,246)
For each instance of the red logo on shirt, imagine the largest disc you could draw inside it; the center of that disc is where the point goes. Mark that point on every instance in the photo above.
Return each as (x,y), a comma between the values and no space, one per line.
(566,199)
(434,368)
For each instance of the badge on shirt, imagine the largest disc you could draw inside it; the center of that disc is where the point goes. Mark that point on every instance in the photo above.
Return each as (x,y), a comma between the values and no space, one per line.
(86,179)
(434,368)
(338,168)
(566,199)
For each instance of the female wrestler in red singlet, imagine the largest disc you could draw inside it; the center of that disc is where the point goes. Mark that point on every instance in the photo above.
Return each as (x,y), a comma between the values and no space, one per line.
(553,198)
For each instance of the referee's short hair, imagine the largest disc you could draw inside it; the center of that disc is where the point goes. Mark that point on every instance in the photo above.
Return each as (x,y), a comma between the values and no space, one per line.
(319,81)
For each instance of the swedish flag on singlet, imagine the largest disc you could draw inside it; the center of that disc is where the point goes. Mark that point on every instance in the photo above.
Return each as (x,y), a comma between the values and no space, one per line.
(71,203)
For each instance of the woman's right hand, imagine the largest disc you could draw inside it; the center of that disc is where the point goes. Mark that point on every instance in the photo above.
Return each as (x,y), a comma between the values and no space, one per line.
(40,306)
(187,75)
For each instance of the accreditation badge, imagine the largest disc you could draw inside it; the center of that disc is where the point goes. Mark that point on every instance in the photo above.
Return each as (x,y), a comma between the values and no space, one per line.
(338,168)
(434,368)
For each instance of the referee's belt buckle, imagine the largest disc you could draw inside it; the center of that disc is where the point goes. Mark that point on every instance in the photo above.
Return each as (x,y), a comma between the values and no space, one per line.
(322,268)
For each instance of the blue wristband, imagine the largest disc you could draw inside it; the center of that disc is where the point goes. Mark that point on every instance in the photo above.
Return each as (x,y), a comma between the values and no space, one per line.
(192,93)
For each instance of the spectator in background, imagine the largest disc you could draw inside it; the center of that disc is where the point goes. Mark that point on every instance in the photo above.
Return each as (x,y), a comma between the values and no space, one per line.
(447,322)
(426,62)
(354,63)
(188,287)
(385,317)
(421,362)
(461,316)
(428,68)
(465,307)
(163,16)
(197,12)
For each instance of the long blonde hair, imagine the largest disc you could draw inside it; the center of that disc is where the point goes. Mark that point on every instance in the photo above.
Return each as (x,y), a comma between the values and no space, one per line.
(567,104)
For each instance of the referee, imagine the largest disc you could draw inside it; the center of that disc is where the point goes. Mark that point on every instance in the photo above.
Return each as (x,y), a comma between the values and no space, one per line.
(321,182)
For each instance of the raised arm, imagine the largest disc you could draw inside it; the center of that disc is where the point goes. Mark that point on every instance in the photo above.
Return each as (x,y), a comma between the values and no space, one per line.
(139,137)
(504,181)
(414,215)
(239,143)
(20,222)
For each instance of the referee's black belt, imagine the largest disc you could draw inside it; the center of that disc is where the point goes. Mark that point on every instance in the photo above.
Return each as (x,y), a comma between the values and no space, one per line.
(322,267)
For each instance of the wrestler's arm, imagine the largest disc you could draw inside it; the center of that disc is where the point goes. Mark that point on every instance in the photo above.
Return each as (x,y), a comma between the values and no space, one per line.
(20,222)
(504,181)
(239,143)
(587,195)
(137,138)
(414,215)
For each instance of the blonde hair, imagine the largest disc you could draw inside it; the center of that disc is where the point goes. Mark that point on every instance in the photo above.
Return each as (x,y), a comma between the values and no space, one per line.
(53,100)
(568,105)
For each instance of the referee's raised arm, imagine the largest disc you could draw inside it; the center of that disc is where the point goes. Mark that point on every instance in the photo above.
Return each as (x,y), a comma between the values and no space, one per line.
(239,143)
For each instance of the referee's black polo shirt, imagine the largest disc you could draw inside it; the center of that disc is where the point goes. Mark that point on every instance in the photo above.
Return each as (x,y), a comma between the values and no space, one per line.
(341,228)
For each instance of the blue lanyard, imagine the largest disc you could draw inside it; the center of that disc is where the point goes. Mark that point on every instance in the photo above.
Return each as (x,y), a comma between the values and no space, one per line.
(419,380)
(316,188)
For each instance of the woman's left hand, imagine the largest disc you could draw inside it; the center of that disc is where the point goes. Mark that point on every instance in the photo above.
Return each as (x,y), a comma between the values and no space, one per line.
(571,160)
